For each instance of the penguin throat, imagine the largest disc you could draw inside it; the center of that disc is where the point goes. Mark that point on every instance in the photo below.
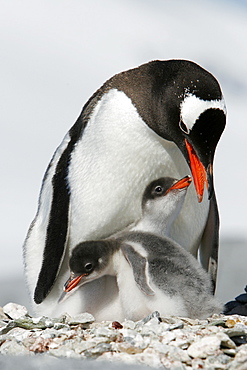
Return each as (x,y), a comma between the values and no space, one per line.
(159,224)
(160,214)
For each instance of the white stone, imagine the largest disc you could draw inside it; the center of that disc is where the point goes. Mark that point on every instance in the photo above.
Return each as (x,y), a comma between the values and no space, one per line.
(14,310)
(225,340)
(13,348)
(129,324)
(2,315)
(168,336)
(177,354)
(204,347)
(18,334)
(83,318)
(241,356)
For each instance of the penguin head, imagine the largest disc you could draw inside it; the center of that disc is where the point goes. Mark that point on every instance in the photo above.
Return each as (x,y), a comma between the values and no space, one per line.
(89,261)
(163,199)
(182,103)
(193,116)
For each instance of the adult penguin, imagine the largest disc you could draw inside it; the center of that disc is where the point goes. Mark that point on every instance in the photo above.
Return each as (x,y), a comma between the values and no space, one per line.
(159,119)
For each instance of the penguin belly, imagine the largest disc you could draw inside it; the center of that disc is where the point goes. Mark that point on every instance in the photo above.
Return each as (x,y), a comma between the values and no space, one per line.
(136,304)
(117,156)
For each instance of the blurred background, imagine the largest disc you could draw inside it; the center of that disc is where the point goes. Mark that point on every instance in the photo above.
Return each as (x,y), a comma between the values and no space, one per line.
(55,54)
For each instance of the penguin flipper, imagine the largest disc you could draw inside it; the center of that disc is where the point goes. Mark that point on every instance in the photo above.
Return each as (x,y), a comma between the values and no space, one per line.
(210,241)
(56,234)
(57,229)
(139,267)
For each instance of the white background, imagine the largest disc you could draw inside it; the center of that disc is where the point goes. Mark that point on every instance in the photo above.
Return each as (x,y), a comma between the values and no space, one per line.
(55,53)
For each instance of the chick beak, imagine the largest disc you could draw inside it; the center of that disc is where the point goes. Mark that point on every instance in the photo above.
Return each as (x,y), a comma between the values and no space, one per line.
(181,184)
(72,282)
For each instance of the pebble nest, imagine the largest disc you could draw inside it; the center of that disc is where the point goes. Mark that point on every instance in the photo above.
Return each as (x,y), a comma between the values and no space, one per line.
(218,342)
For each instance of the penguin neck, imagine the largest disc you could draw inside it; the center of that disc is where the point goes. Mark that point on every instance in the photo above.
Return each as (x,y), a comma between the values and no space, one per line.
(147,224)
(118,264)
(123,272)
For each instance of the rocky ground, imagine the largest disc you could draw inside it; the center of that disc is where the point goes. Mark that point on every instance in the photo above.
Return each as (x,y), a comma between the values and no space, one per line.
(162,342)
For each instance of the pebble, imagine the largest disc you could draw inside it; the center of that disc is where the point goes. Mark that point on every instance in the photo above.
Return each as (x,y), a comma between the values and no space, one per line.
(83,318)
(129,324)
(204,347)
(14,311)
(3,316)
(175,343)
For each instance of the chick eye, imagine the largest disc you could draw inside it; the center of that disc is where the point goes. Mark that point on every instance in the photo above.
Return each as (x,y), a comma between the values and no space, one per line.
(183,127)
(88,267)
(158,189)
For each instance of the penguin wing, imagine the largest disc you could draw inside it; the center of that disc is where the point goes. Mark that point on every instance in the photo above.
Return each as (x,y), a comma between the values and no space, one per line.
(48,232)
(210,241)
(58,217)
(139,267)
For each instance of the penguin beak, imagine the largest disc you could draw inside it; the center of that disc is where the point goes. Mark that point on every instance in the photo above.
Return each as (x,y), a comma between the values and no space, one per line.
(72,282)
(199,172)
(181,184)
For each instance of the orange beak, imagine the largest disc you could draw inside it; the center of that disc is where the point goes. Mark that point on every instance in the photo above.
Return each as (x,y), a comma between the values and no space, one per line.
(72,283)
(198,171)
(181,184)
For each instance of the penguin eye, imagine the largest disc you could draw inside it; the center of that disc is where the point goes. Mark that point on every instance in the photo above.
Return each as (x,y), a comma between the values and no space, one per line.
(183,127)
(88,267)
(158,189)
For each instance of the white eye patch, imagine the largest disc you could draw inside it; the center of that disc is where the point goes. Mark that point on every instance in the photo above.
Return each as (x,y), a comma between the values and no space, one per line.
(192,107)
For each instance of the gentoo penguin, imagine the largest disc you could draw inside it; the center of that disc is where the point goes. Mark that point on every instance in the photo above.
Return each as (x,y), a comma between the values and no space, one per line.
(152,272)
(161,203)
(160,119)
